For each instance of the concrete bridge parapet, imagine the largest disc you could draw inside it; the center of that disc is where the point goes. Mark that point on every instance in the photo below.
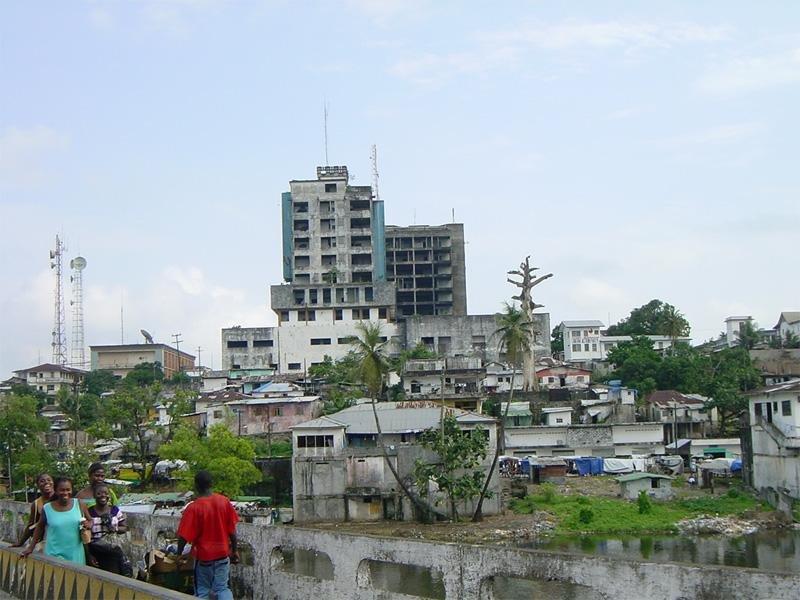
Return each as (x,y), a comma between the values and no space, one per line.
(288,563)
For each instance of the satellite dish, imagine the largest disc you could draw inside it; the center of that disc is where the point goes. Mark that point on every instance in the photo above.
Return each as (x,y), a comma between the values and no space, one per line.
(78,263)
(147,337)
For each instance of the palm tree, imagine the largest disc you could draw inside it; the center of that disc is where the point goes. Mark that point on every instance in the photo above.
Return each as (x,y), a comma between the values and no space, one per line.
(674,325)
(373,366)
(516,334)
(748,335)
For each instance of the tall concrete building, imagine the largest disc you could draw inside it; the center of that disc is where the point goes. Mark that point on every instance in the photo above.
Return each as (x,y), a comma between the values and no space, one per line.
(428,266)
(334,266)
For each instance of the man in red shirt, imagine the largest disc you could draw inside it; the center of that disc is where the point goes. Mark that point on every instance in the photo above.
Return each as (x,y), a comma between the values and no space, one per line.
(208,523)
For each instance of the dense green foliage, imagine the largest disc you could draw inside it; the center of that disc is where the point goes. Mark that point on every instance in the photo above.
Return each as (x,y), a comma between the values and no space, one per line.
(613,516)
(722,376)
(130,411)
(457,472)
(228,458)
(265,449)
(97,382)
(557,340)
(654,318)
(19,445)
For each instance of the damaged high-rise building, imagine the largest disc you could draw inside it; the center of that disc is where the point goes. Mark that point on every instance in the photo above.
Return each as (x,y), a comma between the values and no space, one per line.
(342,265)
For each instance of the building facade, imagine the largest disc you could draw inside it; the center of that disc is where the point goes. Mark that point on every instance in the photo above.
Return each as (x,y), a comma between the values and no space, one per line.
(585,342)
(340,474)
(775,432)
(427,264)
(50,378)
(122,358)
(334,266)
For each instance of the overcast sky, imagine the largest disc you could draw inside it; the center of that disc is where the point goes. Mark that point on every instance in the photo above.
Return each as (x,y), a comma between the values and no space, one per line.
(637,150)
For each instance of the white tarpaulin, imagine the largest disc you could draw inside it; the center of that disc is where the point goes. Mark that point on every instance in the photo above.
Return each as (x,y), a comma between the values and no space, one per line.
(718,465)
(618,465)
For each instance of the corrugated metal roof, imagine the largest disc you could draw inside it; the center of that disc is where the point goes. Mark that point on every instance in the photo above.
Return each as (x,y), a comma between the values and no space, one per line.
(394,418)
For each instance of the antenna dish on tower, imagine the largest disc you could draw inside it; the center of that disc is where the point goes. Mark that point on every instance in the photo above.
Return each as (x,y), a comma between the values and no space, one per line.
(147,337)
(78,263)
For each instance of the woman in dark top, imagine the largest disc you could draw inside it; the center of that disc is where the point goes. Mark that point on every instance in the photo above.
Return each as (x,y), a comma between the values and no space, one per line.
(46,492)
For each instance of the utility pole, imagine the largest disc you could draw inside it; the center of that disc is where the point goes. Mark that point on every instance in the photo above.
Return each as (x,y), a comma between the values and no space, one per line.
(177,339)
(199,362)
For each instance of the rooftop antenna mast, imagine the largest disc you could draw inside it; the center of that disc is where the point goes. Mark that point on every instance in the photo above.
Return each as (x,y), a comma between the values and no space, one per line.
(374,157)
(59,342)
(78,264)
(325,124)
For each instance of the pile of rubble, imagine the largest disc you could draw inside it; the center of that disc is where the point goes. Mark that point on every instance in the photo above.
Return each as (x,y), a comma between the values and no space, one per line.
(716,524)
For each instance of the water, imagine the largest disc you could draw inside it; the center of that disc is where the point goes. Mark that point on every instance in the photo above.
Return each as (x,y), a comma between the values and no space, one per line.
(766,550)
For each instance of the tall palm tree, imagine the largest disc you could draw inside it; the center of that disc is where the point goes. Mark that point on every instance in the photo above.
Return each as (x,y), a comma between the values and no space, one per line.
(515,331)
(748,335)
(373,366)
(674,325)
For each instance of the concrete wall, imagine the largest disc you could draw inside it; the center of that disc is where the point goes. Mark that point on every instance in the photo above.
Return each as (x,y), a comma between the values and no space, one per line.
(346,567)
(586,440)
(466,332)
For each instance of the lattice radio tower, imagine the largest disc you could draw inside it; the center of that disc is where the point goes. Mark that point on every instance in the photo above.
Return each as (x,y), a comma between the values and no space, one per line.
(78,264)
(59,337)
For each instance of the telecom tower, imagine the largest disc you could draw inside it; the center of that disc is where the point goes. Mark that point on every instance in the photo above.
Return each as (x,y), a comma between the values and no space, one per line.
(78,264)
(59,337)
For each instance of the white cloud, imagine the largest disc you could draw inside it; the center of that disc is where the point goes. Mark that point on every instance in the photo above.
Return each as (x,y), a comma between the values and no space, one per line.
(589,293)
(433,69)
(712,136)
(385,12)
(513,47)
(101,18)
(609,34)
(176,17)
(22,152)
(753,73)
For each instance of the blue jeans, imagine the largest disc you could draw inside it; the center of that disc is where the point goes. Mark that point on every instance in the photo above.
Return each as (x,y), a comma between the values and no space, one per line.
(212,576)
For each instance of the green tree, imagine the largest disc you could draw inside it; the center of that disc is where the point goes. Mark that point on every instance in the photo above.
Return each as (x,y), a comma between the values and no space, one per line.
(337,400)
(144,374)
(457,472)
(99,381)
(81,410)
(654,318)
(336,372)
(791,340)
(516,334)
(557,340)
(133,413)
(19,426)
(228,458)
(636,364)
(748,335)
(731,373)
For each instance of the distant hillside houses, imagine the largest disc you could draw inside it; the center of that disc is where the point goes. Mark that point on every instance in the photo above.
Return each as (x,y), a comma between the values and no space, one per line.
(585,342)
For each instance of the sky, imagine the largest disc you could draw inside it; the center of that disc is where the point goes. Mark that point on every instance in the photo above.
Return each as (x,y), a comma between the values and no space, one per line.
(637,150)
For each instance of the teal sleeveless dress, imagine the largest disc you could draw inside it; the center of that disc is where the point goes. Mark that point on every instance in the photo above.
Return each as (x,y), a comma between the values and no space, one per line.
(63,533)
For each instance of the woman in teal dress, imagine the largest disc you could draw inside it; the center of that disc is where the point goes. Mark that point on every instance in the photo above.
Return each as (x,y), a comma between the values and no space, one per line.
(63,517)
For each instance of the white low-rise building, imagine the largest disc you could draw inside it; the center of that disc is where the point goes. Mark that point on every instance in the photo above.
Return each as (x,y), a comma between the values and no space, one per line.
(586,341)
(775,431)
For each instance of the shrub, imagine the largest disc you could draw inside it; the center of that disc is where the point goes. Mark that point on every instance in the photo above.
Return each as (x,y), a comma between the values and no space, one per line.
(645,504)
(582,500)
(548,493)
(585,515)
(733,493)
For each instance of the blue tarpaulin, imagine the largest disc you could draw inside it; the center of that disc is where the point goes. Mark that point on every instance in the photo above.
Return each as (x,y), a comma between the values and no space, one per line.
(583,465)
(736,465)
(597,465)
(525,464)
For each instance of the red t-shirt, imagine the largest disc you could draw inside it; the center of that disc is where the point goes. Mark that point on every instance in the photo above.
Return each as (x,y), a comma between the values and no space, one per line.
(207,524)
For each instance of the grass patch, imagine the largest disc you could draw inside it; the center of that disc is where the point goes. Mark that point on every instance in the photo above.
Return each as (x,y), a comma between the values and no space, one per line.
(616,516)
